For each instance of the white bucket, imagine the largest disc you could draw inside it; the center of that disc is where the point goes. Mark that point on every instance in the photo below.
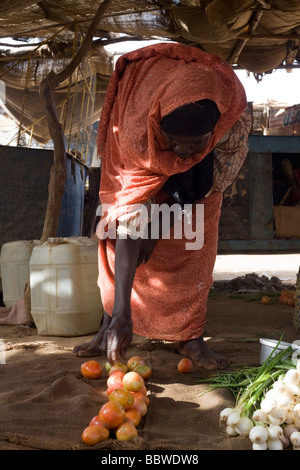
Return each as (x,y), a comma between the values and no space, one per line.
(65,297)
(14,261)
(269,345)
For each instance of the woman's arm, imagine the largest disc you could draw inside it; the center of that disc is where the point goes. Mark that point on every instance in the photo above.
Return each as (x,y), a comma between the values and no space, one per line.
(129,254)
(119,334)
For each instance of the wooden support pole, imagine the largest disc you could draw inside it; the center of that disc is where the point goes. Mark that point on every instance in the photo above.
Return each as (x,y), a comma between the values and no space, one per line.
(58,171)
(255,19)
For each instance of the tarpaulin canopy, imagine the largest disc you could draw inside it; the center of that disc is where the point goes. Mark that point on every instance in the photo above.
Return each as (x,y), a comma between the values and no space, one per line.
(259,36)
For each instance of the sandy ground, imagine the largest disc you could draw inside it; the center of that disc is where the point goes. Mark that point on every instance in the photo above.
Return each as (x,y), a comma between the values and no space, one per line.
(45,403)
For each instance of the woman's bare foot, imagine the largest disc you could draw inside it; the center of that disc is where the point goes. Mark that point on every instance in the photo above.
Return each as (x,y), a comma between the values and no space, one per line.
(203,357)
(94,347)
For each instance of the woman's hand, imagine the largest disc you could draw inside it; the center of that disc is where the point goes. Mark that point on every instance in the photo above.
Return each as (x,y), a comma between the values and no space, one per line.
(117,337)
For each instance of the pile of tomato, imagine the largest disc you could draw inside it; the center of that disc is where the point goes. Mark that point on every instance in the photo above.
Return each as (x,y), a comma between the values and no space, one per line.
(127,400)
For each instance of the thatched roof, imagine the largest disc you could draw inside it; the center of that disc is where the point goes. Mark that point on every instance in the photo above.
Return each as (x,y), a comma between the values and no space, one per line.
(255,35)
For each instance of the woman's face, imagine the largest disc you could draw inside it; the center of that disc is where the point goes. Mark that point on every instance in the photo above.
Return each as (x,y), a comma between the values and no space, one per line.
(185,146)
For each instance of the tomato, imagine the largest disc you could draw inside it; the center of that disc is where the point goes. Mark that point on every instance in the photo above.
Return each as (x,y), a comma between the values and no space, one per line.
(112,414)
(96,421)
(118,366)
(142,396)
(143,370)
(133,381)
(134,361)
(266,300)
(126,431)
(140,405)
(91,369)
(94,434)
(185,365)
(291,301)
(143,390)
(122,396)
(114,381)
(133,414)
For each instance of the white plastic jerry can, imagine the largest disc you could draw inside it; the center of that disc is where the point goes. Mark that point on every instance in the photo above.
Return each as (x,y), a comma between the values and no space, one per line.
(14,262)
(65,297)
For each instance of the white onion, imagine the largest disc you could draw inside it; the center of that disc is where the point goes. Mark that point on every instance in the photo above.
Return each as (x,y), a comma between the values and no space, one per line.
(295,439)
(260,417)
(272,394)
(289,417)
(275,444)
(234,417)
(267,404)
(285,442)
(289,429)
(296,411)
(283,399)
(261,446)
(277,416)
(279,386)
(291,377)
(231,431)
(297,423)
(243,426)
(275,431)
(258,434)
(294,389)
(225,413)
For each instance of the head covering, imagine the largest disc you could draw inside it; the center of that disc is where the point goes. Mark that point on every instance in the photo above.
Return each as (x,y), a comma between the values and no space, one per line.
(192,119)
(148,84)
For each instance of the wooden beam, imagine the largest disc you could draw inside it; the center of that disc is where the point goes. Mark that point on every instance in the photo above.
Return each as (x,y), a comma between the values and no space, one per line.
(255,19)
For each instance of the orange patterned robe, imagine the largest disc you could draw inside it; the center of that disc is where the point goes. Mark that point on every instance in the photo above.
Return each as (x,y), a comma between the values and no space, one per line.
(169,294)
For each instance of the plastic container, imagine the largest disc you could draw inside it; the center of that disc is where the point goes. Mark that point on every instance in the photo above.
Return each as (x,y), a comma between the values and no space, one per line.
(14,261)
(268,345)
(296,319)
(65,297)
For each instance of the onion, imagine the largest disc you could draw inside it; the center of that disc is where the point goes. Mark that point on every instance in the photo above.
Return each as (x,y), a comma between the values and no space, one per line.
(289,429)
(297,423)
(275,431)
(259,416)
(234,417)
(258,434)
(267,404)
(243,426)
(295,439)
(279,386)
(296,411)
(294,389)
(275,444)
(272,394)
(277,416)
(231,431)
(261,446)
(283,399)
(225,413)
(291,377)
(289,417)
(285,441)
